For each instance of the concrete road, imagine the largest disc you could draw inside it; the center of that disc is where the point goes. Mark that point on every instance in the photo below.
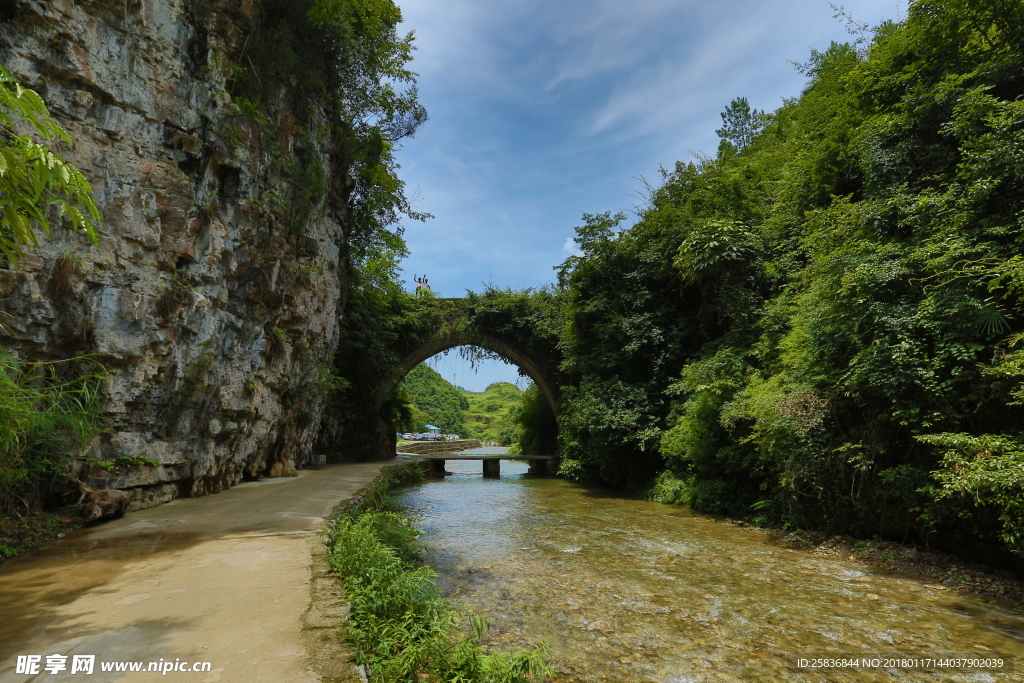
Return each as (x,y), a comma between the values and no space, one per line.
(222,579)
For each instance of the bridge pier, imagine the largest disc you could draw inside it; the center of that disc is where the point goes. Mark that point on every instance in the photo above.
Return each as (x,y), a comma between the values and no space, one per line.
(538,467)
(492,468)
(437,467)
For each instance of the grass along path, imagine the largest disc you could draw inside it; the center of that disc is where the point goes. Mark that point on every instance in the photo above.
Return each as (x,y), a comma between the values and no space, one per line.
(402,627)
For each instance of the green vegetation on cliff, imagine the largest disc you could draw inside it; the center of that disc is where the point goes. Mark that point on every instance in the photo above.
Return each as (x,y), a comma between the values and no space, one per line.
(32,177)
(49,410)
(341,66)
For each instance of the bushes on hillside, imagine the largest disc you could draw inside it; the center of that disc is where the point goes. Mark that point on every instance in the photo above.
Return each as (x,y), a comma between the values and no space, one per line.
(794,328)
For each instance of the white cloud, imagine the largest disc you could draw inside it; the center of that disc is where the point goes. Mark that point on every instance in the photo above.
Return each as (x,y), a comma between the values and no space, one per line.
(570,248)
(539,110)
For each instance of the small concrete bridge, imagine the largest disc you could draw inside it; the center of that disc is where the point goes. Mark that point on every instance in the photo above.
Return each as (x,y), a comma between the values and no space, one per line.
(437,452)
(492,462)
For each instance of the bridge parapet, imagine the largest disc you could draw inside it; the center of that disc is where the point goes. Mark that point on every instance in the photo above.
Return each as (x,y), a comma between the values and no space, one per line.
(539,464)
(428,447)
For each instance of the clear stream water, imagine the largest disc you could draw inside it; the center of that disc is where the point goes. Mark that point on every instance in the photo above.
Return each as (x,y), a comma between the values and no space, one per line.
(633,591)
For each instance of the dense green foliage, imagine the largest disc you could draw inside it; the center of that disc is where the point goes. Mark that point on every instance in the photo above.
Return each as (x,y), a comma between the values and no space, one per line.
(534,428)
(810,328)
(403,629)
(989,471)
(32,178)
(529,320)
(48,410)
(48,413)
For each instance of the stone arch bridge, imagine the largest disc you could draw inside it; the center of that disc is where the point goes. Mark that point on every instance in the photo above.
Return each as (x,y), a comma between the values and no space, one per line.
(509,333)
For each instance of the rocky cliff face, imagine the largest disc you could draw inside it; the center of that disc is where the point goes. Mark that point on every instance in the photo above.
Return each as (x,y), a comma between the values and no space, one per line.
(212,294)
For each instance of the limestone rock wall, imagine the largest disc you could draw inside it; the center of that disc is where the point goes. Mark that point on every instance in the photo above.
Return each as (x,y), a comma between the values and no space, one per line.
(210,309)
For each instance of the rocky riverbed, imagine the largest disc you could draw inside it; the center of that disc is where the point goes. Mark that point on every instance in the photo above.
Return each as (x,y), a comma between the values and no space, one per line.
(634,591)
(947,572)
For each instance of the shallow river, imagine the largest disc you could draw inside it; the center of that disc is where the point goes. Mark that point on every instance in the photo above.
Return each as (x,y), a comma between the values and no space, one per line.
(634,591)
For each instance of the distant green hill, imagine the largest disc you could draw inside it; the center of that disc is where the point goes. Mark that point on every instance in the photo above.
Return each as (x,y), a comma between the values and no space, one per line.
(482,415)
(435,401)
(488,417)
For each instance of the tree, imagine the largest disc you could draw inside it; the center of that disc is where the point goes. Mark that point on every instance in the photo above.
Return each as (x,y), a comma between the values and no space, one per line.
(848,278)
(377,106)
(32,178)
(740,124)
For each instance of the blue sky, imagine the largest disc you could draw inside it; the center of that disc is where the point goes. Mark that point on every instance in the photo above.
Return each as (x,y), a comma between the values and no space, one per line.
(540,110)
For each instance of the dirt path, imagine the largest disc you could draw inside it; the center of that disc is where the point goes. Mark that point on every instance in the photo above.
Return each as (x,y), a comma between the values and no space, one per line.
(223,579)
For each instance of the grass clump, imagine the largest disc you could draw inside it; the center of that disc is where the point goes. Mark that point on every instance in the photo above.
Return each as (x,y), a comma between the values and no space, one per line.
(49,411)
(402,627)
(21,534)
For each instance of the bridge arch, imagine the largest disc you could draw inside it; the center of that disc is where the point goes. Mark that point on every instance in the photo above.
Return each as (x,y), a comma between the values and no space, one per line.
(511,327)
(444,342)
